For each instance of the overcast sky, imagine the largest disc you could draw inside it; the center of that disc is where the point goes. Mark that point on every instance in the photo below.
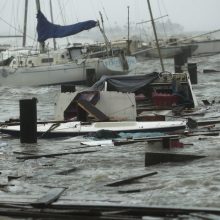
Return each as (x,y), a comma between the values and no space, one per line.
(193,15)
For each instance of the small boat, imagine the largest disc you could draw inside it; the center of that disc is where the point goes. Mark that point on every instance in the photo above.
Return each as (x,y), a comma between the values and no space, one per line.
(71,129)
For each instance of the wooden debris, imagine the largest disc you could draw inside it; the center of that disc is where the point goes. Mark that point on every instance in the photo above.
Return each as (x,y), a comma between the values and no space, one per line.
(210,71)
(53,155)
(152,158)
(206,102)
(49,198)
(66,172)
(13,177)
(145,139)
(208,122)
(202,133)
(130,179)
(91,109)
(132,190)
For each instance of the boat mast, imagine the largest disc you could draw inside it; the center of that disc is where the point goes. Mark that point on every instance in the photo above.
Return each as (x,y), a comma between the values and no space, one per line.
(42,44)
(107,42)
(155,35)
(51,14)
(128,44)
(25,23)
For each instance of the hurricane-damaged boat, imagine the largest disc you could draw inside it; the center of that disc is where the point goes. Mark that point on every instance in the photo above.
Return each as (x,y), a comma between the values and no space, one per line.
(120,104)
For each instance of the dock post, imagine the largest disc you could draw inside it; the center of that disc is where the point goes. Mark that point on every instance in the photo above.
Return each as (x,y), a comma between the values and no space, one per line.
(68,88)
(179,61)
(192,69)
(28,120)
(166,143)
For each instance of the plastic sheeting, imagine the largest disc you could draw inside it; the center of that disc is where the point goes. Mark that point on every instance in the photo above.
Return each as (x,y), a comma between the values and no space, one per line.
(127,83)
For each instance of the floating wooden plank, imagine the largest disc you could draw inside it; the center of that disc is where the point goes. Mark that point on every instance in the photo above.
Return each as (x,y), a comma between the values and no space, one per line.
(54,155)
(49,198)
(13,177)
(130,179)
(145,139)
(152,158)
(208,122)
(91,109)
(66,172)
(209,133)
(210,71)
(132,190)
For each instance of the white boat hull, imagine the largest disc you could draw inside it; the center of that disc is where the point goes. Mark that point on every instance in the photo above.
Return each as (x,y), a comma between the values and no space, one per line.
(166,52)
(78,128)
(71,72)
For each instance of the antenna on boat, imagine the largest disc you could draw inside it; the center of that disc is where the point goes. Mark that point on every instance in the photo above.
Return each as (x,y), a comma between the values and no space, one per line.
(155,35)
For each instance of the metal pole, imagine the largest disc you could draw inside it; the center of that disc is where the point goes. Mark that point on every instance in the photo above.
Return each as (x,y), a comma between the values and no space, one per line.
(42,44)
(129,31)
(25,23)
(38,5)
(155,34)
(51,14)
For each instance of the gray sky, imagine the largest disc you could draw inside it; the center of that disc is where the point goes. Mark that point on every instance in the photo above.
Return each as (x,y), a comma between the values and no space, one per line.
(193,15)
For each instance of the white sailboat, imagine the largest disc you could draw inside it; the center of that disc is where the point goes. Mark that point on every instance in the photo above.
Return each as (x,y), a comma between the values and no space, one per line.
(62,66)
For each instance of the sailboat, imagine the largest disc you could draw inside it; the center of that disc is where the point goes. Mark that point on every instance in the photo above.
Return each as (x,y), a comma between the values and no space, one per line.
(62,66)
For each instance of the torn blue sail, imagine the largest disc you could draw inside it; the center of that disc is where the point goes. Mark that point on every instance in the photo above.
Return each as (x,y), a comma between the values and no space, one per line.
(46,29)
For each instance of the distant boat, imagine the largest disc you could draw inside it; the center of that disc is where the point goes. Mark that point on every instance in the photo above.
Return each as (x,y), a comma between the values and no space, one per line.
(168,49)
(205,47)
(62,66)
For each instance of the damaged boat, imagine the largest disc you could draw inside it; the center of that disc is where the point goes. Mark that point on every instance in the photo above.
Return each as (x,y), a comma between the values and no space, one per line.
(120,104)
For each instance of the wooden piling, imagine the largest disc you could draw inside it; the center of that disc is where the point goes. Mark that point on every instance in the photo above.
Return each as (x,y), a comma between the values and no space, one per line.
(68,88)
(179,61)
(192,69)
(28,120)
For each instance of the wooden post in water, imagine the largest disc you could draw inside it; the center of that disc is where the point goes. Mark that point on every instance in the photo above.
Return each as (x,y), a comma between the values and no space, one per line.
(179,61)
(68,88)
(28,120)
(192,69)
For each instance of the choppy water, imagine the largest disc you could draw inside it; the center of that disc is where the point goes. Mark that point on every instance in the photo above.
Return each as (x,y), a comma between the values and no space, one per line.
(189,184)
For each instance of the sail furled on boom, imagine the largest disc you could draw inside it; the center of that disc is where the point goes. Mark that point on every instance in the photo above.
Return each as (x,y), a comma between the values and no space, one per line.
(46,29)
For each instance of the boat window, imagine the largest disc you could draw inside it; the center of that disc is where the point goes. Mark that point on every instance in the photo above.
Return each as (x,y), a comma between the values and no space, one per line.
(47,60)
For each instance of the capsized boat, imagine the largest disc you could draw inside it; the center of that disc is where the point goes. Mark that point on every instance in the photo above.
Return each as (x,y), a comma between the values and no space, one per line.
(70,129)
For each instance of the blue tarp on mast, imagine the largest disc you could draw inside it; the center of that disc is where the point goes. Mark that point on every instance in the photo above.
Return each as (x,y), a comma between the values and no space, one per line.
(46,29)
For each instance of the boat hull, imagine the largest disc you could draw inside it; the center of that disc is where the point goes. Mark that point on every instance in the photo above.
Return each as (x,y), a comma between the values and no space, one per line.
(72,72)
(71,129)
